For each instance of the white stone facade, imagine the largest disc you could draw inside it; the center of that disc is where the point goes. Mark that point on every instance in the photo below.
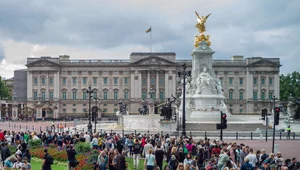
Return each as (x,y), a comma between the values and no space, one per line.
(56,87)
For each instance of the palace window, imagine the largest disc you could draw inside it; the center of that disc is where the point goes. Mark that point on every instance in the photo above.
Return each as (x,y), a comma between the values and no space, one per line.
(115,95)
(230,95)
(84,79)
(262,95)
(126,81)
(74,95)
(126,95)
(105,80)
(95,80)
(51,81)
(35,95)
(161,81)
(254,95)
(241,81)
(64,80)
(161,95)
(270,95)
(51,95)
(43,81)
(105,95)
(152,81)
(262,81)
(254,80)
(241,95)
(74,80)
(84,95)
(64,95)
(270,80)
(144,95)
(35,81)
(144,81)
(115,80)
(43,95)
(230,80)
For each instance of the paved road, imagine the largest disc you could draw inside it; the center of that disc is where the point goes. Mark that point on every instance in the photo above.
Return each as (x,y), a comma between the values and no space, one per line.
(288,148)
(32,126)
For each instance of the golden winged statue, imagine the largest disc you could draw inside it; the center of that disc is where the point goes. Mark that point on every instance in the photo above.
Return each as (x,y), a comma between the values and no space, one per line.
(201,28)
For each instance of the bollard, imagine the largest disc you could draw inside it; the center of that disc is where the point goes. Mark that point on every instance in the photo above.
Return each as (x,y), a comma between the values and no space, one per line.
(32,128)
(148,133)
(190,134)
(251,135)
(65,124)
(69,129)
(111,131)
(205,134)
(123,132)
(134,132)
(100,131)
(280,135)
(294,135)
(237,135)
(40,129)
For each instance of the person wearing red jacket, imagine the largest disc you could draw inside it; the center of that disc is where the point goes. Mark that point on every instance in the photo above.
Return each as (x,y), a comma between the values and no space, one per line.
(1,136)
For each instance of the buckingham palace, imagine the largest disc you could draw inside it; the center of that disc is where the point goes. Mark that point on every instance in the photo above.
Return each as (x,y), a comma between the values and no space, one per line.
(58,86)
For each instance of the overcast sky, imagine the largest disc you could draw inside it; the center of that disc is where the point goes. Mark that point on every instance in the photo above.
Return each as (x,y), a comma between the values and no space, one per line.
(96,29)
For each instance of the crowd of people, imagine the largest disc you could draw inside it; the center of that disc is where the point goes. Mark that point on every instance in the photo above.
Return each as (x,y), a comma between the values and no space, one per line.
(158,152)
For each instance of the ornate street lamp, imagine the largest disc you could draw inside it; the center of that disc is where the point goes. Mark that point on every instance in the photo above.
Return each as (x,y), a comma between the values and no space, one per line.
(186,76)
(95,110)
(90,126)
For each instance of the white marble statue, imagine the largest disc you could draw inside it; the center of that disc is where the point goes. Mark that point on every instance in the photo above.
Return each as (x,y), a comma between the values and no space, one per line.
(223,107)
(219,87)
(204,80)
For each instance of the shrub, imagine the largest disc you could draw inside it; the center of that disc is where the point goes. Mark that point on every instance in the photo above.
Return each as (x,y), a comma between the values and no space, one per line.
(12,148)
(82,147)
(35,143)
(92,158)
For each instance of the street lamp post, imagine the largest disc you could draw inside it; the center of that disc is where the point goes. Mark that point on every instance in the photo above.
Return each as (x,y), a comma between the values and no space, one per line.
(273,142)
(96,111)
(184,75)
(90,126)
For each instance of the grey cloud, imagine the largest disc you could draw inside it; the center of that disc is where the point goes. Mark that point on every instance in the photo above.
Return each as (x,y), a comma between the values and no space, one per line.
(107,25)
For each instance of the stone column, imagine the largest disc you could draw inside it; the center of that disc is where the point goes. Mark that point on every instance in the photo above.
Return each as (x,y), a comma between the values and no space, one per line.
(29,85)
(6,110)
(56,85)
(157,85)
(139,86)
(132,84)
(173,83)
(148,82)
(276,83)
(166,84)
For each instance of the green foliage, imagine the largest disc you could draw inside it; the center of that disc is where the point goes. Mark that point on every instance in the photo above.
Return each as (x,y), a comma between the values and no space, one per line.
(35,143)
(4,92)
(92,158)
(290,86)
(82,147)
(12,148)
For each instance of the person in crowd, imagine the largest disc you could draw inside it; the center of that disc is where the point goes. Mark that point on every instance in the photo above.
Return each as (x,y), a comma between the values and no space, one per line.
(102,161)
(223,158)
(252,157)
(188,160)
(292,165)
(149,160)
(46,164)
(18,164)
(121,162)
(137,147)
(5,152)
(72,163)
(94,142)
(26,165)
(159,156)
(147,147)
(267,162)
(8,163)
(246,165)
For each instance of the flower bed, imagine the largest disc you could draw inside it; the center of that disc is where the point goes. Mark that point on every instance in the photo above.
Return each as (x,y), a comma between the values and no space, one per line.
(60,157)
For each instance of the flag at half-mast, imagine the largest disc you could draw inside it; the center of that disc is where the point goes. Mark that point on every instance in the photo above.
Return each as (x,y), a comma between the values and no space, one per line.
(148,30)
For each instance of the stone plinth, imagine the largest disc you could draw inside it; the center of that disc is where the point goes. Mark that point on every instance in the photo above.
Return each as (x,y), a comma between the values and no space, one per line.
(168,126)
(141,122)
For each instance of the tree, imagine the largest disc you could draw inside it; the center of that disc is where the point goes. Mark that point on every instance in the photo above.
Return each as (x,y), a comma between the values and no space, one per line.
(290,86)
(4,91)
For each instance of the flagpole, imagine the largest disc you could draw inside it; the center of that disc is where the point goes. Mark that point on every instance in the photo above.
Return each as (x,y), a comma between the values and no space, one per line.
(150,39)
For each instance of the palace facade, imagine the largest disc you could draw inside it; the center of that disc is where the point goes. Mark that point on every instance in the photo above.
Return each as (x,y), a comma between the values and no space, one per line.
(58,87)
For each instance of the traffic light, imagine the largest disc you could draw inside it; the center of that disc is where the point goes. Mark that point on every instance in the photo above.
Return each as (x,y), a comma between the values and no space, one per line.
(223,120)
(264,113)
(276,116)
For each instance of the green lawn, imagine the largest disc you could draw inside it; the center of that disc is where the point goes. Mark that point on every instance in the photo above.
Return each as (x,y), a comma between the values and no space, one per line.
(37,165)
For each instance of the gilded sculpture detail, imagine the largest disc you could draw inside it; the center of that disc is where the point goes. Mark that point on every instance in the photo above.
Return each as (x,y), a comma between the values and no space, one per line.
(201,28)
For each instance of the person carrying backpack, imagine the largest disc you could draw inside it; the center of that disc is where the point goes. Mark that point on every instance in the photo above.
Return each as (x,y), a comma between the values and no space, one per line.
(47,161)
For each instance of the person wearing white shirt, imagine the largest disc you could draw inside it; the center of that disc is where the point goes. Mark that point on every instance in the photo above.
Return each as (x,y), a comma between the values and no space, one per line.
(87,137)
(252,157)
(18,164)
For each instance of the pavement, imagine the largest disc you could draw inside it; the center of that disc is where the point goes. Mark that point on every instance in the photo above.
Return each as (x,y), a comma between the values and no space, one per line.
(33,126)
